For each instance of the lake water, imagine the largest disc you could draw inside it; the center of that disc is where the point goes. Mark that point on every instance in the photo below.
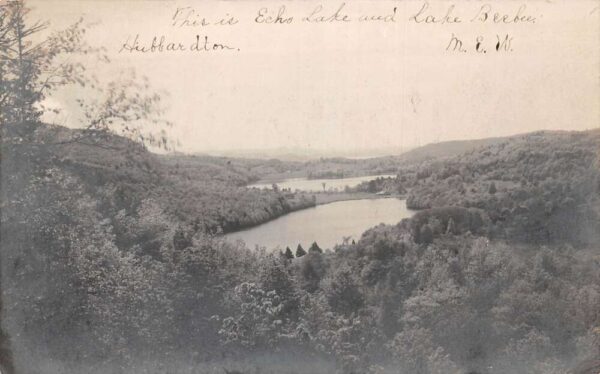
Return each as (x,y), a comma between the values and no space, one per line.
(314,185)
(326,224)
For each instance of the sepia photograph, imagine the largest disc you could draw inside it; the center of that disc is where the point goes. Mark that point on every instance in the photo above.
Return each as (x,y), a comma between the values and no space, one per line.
(299,187)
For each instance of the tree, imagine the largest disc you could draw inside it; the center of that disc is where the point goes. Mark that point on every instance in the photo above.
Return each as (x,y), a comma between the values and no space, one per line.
(6,360)
(274,277)
(182,239)
(492,190)
(346,241)
(127,107)
(417,352)
(426,234)
(300,251)
(314,247)
(30,70)
(372,186)
(312,270)
(16,70)
(256,321)
(342,291)
(288,253)
(451,227)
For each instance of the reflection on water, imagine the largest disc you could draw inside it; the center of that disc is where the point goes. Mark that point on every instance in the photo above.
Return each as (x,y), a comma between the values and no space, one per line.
(326,224)
(317,184)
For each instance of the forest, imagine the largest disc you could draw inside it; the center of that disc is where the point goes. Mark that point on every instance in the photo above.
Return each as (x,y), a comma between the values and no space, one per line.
(112,258)
(93,281)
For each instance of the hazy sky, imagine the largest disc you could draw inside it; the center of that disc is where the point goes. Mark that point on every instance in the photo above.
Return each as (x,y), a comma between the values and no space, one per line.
(351,86)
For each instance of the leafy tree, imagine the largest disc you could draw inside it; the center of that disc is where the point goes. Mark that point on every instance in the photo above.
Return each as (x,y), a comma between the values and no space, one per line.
(300,251)
(372,186)
(127,107)
(274,277)
(426,234)
(342,291)
(418,354)
(312,270)
(30,70)
(257,321)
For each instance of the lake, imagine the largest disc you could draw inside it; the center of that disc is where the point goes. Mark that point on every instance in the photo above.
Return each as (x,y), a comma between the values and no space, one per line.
(326,224)
(315,185)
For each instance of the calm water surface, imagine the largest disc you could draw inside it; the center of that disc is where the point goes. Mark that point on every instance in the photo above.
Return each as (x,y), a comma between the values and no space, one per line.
(326,224)
(314,185)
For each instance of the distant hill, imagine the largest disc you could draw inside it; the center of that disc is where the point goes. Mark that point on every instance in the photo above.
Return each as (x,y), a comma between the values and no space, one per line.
(446,149)
(304,155)
(207,192)
(277,164)
(536,187)
(414,155)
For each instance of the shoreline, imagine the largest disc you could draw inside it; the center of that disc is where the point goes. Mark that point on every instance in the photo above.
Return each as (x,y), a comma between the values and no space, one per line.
(328,198)
(301,175)
(322,198)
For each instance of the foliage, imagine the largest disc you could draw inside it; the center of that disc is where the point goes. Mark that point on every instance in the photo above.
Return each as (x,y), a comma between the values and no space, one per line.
(314,247)
(127,106)
(300,251)
(112,256)
(538,187)
(31,69)
(130,277)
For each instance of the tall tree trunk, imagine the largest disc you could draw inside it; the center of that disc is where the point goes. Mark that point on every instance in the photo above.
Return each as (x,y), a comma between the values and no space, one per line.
(21,89)
(6,357)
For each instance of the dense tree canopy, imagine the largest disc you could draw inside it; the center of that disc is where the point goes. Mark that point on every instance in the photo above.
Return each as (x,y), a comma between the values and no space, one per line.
(117,261)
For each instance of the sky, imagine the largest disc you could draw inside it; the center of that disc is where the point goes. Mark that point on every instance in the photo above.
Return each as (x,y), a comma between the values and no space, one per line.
(349,86)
